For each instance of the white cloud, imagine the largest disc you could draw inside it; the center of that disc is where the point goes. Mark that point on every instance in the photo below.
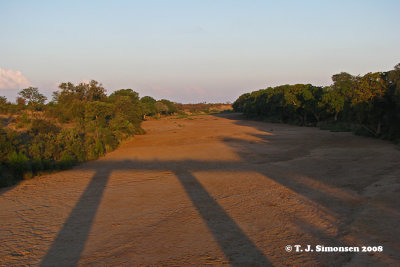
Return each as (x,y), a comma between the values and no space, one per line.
(13,79)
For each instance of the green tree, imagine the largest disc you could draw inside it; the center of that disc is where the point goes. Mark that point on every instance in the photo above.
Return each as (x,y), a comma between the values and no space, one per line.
(133,96)
(85,92)
(3,104)
(3,100)
(98,113)
(148,105)
(239,103)
(368,101)
(333,101)
(33,97)
(161,108)
(314,102)
(170,105)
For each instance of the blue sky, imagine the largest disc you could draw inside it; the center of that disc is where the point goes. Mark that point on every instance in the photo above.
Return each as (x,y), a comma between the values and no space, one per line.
(193,51)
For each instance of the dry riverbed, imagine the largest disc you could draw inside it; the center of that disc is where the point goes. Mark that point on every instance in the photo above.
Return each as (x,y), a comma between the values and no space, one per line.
(213,190)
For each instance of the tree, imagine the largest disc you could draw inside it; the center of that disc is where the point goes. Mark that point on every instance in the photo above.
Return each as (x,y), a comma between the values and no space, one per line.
(368,102)
(161,107)
(133,96)
(368,87)
(340,95)
(70,102)
(3,104)
(127,108)
(33,97)
(391,119)
(239,103)
(85,92)
(148,99)
(148,105)
(20,101)
(333,101)
(98,113)
(94,91)
(170,105)
(314,104)
(3,100)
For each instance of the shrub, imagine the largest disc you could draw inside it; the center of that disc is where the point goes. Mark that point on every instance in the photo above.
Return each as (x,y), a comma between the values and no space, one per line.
(19,163)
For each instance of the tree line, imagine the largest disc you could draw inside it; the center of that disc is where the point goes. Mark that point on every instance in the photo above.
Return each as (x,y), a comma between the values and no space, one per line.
(368,104)
(80,123)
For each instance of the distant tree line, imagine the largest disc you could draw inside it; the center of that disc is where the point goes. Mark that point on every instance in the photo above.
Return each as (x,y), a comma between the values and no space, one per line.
(368,104)
(80,123)
(203,107)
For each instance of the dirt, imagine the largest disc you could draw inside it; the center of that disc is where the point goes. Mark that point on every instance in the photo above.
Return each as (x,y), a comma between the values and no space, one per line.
(211,190)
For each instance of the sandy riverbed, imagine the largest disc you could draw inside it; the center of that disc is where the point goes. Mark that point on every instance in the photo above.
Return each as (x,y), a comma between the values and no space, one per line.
(211,190)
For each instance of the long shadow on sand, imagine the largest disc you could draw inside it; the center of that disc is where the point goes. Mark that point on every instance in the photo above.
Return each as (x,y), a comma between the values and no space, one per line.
(64,249)
(236,246)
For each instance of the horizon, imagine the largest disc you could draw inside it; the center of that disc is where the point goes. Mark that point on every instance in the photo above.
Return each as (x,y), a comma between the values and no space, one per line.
(202,51)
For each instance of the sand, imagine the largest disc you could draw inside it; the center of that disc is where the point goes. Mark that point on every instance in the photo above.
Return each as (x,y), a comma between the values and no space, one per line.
(215,190)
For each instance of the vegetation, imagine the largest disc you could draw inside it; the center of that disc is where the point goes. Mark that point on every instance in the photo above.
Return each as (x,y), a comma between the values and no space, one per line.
(367,105)
(80,123)
(204,108)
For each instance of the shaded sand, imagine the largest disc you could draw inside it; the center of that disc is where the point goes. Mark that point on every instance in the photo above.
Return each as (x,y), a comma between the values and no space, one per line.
(211,190)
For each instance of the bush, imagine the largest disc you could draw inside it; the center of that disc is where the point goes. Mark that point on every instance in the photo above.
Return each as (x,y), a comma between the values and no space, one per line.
(67,160)
(43,127)
(19,164)
(6,177)
(96,125)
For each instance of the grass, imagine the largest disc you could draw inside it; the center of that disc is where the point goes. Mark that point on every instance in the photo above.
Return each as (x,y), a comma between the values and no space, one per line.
(181,116)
